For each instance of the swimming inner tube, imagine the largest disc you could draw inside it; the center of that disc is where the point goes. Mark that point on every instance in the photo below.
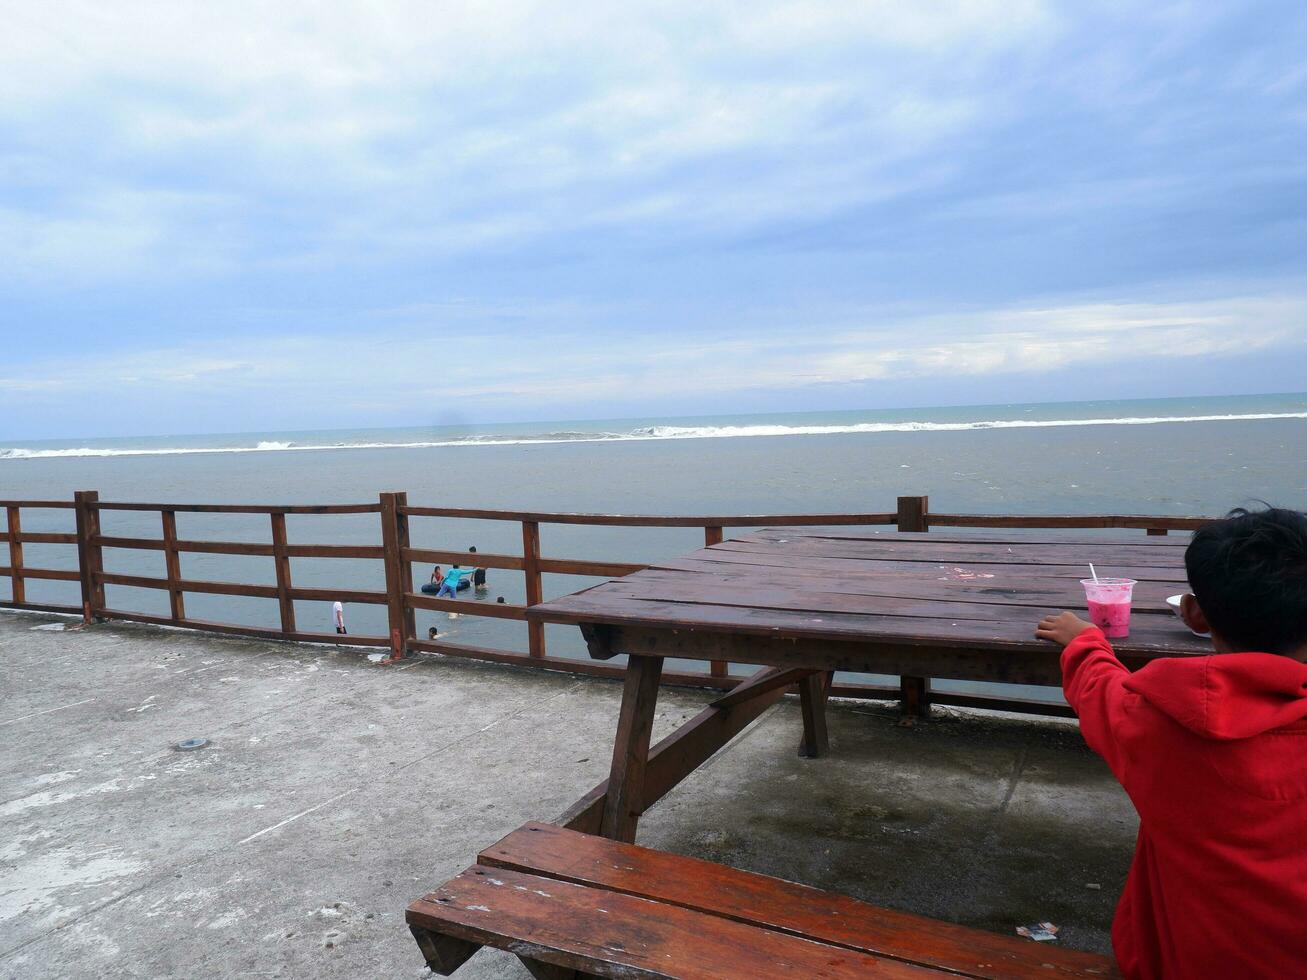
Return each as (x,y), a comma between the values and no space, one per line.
(431,588)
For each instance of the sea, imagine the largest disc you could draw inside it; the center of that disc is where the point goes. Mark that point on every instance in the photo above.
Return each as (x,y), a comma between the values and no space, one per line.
(1177,456)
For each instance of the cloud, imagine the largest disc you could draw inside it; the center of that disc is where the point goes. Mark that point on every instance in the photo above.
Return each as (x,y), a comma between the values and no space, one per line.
(366,207)
(404,129)
(392,373)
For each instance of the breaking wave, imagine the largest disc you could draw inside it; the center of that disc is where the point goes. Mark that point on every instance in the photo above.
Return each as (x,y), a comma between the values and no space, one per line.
(650,432)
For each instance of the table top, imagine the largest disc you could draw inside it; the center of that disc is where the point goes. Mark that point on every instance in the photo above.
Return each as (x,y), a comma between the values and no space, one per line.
(983,590)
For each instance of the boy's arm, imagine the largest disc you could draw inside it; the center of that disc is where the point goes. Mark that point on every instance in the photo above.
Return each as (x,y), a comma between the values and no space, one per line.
(1093,680)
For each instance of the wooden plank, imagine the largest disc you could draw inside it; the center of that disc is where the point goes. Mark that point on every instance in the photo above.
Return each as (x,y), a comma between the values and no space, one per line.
(745,594)
(573,566)
(813,691)
(617,935)
(49,607)
(912,514)
(136,544)
(54,574)
(246,508)
(547,971)
(782,906)
(468,607)
(564,664)
(712,534)
(767,679)
(925,551)
(372,551)
(256,548)
(443,954)
(842,569)
(281,561)
(260,549)
(1018,664)
(436,556)
(1170,549)
(14,524)
(48,537)
(1070,521)
(956,584)
(234,629)
(676,755)
(625,797)
(39,504)
(398,584)
(874,577)
(1124,540)
(914,697)
(90,558)
(649,520)
(1150,633)
(172,561)
(187,585)
(534,589)
(371,597)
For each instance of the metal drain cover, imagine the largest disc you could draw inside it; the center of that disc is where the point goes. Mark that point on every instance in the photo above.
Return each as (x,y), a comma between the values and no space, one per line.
(191,744)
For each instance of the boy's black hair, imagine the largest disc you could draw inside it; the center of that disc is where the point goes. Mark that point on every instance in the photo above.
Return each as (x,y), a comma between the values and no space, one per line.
(1249,575)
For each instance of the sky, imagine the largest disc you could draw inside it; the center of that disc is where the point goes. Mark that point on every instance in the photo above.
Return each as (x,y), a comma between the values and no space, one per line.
(251,216)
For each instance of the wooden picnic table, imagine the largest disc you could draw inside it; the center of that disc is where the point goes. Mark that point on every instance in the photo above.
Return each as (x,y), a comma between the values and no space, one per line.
(805,602)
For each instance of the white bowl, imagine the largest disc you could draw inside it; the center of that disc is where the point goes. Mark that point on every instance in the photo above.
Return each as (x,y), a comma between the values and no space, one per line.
(1174,602)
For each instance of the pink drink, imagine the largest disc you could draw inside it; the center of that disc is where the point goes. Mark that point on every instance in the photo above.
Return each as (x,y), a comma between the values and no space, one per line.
(1109,604)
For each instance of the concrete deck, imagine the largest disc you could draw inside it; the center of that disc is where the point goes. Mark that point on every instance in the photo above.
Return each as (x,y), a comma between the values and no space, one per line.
(335,791)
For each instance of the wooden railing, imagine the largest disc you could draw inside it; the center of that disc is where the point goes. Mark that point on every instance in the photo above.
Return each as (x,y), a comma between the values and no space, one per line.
(400,598)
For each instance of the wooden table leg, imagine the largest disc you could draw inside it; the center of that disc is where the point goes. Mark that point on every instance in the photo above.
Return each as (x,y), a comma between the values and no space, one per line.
(914,702)
(625,798)
(813,691)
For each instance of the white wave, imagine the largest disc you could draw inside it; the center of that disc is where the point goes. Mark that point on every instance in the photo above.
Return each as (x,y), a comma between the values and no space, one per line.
(737,431)
(652,432)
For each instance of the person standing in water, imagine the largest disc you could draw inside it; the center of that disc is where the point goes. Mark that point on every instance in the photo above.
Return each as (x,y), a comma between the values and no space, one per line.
(478,574)
(449,586)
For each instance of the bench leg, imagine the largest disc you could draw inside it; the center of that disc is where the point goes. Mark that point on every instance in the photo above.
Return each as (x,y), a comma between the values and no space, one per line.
(625,798)
(548,971)
(444,954)
(813,691)
(914,699)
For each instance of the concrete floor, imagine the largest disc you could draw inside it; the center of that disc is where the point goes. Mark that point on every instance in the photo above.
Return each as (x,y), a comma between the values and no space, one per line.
(334,791)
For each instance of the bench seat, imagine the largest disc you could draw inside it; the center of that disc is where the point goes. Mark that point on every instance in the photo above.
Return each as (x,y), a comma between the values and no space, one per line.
(574,905)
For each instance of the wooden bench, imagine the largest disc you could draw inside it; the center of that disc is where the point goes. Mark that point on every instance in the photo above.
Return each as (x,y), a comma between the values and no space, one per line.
(571,905)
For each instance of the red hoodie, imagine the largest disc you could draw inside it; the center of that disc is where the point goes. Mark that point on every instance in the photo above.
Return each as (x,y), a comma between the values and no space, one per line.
(1213,752)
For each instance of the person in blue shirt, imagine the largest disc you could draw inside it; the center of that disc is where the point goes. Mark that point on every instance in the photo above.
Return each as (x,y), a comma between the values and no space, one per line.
(449,587)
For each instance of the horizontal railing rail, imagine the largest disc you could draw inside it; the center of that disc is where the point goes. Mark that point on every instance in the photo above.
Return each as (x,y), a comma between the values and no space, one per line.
(397,556)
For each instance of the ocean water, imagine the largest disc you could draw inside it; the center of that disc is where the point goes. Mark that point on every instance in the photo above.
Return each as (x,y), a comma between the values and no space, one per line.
(1172,456)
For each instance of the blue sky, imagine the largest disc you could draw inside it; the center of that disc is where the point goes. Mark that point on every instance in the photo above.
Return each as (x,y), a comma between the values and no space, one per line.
(238,216)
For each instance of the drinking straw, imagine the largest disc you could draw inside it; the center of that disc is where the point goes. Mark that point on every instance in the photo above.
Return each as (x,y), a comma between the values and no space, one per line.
(1093,573)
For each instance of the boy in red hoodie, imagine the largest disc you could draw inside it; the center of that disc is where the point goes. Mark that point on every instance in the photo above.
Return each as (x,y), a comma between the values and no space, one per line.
(1213,753)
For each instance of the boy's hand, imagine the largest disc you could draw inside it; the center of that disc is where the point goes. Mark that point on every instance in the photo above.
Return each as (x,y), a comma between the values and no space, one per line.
(1062,628)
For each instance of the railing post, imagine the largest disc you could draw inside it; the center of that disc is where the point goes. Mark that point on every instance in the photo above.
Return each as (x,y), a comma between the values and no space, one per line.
(173,562)
(285,603)
(90,557)
(914,692)
(712,534)
(399,578)
(16,556)
(535,635)
(914,514)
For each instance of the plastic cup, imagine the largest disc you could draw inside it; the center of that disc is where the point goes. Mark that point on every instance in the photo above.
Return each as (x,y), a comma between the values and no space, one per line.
(1109,604)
